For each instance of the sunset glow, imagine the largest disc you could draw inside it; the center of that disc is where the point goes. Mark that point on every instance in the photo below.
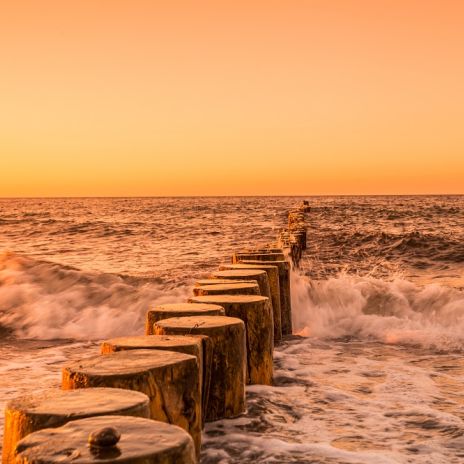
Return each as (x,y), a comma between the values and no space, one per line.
(147,97)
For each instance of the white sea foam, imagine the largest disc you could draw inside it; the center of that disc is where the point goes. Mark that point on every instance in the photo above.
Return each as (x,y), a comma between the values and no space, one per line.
(365,385)
(354,402)
(44,300)
(395,311)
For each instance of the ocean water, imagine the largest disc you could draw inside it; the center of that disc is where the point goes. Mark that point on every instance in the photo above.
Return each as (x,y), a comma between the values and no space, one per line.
(375,370)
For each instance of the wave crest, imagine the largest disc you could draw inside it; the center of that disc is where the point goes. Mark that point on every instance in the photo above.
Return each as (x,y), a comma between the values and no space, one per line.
(44,300)
(395,312)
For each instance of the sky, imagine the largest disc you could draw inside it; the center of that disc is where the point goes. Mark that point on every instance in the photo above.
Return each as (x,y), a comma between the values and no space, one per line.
(155,97)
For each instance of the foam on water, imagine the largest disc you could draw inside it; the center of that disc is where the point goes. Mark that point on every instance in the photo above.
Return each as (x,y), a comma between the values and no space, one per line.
(393,312)
(33,366)
(377,373)
(376,376)
(44,300)
(348,402)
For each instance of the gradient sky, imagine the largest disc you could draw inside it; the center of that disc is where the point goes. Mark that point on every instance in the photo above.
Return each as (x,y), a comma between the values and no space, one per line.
(154,97)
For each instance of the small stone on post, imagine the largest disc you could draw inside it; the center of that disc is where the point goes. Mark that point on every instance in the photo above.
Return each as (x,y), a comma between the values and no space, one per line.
(54,408)
(171,380)
(110,439)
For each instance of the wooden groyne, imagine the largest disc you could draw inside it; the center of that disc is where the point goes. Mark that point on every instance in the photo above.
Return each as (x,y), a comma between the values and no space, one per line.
(227,375)
(191,366)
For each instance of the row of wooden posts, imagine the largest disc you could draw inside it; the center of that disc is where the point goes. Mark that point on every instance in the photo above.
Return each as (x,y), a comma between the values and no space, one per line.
(145,399)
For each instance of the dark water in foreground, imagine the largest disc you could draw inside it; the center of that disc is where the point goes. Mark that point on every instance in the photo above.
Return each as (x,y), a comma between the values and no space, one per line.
(378,376)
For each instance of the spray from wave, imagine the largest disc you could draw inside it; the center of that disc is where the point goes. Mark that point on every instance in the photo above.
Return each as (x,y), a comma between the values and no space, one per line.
(392,312)
(44,300)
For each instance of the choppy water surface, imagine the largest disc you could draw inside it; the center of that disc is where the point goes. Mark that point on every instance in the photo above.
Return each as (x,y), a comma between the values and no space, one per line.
(376,374)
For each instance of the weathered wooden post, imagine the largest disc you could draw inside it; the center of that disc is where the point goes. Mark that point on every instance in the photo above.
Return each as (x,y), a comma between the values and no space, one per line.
(270,249)
(228,368)
(237,275)
(227,289)
(108,439)
(255,311)
(188,344)
(274,286)
(214,281)
(195,345)
(167,311)
(171,380)
(285,295)
(260,255)
(54,408)
(300,235)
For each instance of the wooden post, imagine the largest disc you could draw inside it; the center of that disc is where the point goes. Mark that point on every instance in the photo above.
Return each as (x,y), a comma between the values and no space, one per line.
(261,256)
(227,289)
(270,249)
(54,408)
(237,275)
(285,295)
(214,281)
(171,381)
(128,440)
(274,286)
(255,311)
(167,311)
(228,368)
(195,345)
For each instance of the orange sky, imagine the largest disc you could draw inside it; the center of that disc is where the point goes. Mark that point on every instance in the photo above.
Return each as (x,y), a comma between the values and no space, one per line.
(155,97)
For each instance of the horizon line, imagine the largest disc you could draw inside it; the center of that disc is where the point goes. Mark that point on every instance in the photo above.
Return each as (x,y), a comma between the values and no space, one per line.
(60,197)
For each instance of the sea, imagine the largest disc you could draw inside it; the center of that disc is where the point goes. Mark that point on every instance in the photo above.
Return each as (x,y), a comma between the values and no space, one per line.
(374,372)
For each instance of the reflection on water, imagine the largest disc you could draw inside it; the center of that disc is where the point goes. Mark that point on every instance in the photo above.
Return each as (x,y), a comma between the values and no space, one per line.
(349,402)
(379,377)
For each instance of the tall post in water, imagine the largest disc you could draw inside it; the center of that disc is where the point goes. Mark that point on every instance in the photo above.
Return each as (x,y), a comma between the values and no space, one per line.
(228,367)
(274,288)
(255,311)
(284,283)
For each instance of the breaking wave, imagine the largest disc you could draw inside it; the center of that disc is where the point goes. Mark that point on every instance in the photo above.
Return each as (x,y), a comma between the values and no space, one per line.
(44,300)
(392,312)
